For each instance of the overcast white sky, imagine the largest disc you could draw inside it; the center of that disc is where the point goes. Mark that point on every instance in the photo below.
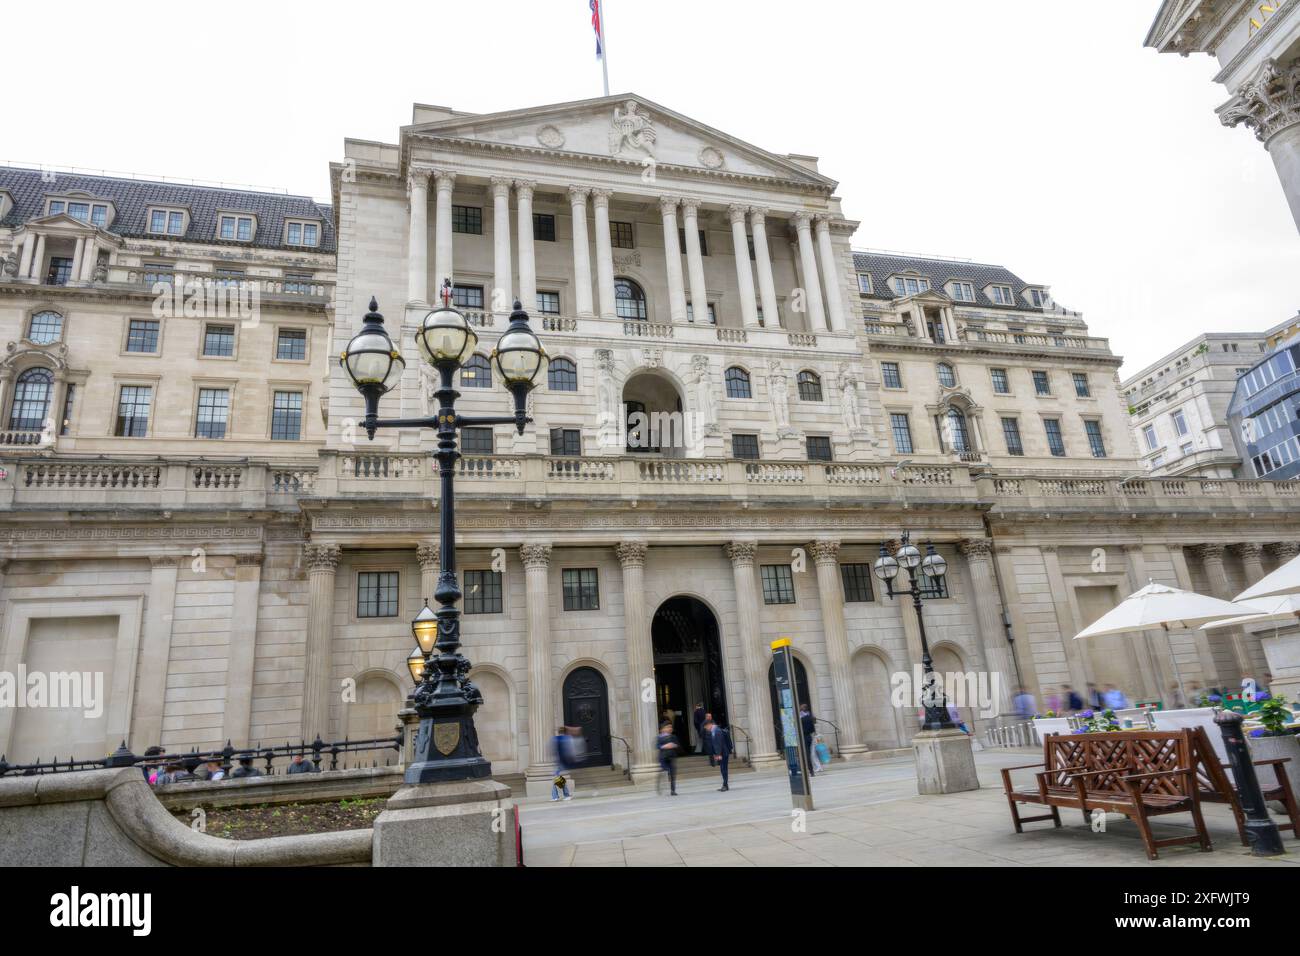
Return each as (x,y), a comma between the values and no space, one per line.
(1041,136)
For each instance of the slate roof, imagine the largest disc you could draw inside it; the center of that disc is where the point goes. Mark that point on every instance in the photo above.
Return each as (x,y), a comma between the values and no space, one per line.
(133,197)
(940,272)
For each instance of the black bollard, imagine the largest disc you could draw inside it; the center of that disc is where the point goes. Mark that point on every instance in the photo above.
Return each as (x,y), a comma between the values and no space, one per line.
(1261,831)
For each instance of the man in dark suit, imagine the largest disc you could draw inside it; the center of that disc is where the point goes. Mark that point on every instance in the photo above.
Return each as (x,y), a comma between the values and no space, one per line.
(717,744)
(697,718)
(808,727)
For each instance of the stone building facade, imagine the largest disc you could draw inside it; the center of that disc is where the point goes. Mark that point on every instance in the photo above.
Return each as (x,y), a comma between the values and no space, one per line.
(262,588)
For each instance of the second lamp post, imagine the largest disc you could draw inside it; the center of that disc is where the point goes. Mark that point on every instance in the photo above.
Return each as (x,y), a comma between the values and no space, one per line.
(446,744)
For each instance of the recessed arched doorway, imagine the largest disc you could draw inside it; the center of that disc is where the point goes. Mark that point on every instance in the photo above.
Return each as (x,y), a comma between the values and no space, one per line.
(652,405)
(586,706)
(801,683)
(688,665)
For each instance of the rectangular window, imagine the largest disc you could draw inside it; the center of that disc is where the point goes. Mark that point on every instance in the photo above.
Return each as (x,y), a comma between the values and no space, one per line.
(713,315)
(1001,294)
(228,278)
(890,375)
(898,424)
(681,239)
(302,234)
(297,283)
(158,272)
(1011,432)
(1081,388)
(857,583)
(377,594)
(1180,423)
(219,341)
(963,292)
(291,345)
(60,271)
(581,589)
(1185,450)
(1039,298)
(1149,433)
(236,227)
(543,227)
(931,588)
(175,223)
(864,283)
(1042,384)
(213,413)
(620,234)
(482,592)
(1054,441)
(467,296)
(158,221)
(819,448)
(745,447)
(133,411)
(67,408)
(778,584)
(1095,441)
(1001,384)
(566,441)
(57,206)
(548,303)
(142,335)
(286,416)
(468,219)
(79,210)
(476,441)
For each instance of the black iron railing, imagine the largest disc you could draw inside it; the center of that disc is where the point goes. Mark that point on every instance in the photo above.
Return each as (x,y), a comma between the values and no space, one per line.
(317,751)
(736,728)
(627,755)
(834,730)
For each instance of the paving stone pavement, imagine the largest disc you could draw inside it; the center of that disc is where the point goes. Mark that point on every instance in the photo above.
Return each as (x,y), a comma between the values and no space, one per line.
(868,814)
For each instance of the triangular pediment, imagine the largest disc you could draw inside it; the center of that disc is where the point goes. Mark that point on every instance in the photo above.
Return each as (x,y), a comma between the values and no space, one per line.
(626,127)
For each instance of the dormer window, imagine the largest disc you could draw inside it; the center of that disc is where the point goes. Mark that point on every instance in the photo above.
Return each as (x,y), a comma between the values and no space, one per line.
(235,228)
(167,222)
(962,291)
(301,233)
(6,203)
(910,285)
(864,283)
(83,210)
(1040,298)
(1001,295)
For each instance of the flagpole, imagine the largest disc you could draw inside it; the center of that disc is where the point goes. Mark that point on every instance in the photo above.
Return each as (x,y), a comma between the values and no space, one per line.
(604,46)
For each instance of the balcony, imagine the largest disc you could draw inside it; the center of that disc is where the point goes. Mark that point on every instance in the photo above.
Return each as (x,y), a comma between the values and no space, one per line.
(1011,341)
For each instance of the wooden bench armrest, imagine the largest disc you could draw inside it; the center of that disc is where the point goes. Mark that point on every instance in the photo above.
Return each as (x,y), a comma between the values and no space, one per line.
(1026,766)
(1270,760)
(1159,773)
(1094,773)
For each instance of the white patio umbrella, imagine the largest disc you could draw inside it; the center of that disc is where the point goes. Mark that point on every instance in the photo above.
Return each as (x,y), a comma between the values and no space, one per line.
(1159,607)
(1285,580)
(1274,609)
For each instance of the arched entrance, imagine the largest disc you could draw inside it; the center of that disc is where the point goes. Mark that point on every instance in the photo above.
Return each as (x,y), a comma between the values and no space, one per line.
(586,706)
(653,409)
(688,665)
(876,712)
(948,664)
(801,684)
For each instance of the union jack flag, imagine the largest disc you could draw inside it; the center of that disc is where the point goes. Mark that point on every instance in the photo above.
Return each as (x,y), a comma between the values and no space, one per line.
(595,25)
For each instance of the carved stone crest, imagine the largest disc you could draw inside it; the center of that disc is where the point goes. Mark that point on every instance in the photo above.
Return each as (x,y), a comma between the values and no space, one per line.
(712,158)
(631,130)
(550,136)
(652,358)
(446,737)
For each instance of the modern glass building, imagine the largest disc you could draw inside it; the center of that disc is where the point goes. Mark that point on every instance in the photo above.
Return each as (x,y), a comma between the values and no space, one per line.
(1265,414)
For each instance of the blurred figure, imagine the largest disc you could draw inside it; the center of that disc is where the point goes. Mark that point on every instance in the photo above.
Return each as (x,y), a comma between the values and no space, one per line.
(1194,694)
(699,718)
(1024,704)
(1073,702)
(245,769)
(1053,702)
(1095,700)
(565,758)
(668,746)
(152,770)
(300,764)
(1113,698)
(1176,699)
(717,744)
(176,773)
(808,729)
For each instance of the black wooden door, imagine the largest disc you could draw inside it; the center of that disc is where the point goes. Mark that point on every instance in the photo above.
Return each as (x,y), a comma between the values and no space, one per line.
(586,706)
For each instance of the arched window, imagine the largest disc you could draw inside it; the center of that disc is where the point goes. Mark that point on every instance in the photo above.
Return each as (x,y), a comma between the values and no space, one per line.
(31,400)
(45,327)
(958,435)
(810,387)
(476,373)
(738,383)
(562,376)
(946,377)
(629,299)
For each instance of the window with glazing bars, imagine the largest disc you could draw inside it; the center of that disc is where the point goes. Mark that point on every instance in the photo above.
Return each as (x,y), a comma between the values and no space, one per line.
(213,413)
(482,592)
(377,594)
(133,411)
(857,583)
(581,589)
(286,416)
(778,583)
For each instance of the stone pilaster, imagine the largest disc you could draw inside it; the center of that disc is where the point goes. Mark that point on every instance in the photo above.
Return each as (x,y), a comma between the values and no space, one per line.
(442,249)
(503,284)
(673,259)
(1252,561)
(1210,676)
(830,591)
(744,275)
(155,651)
(536,559)
(417,242)
(640,659)
(1211,557)
(524,227)
(322,561)
(757,691)
(581,252)
(988,616)
(243,647)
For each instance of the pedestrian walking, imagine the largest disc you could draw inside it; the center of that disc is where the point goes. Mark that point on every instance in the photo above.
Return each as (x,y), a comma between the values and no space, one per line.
(562,745)
(808,727)
(718,745)
(668,745)
(698,718)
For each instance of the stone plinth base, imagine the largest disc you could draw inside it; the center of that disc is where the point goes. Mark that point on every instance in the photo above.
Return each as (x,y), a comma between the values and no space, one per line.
(464,823)
(767,763)
(945,762)
(854,752)
(538,780)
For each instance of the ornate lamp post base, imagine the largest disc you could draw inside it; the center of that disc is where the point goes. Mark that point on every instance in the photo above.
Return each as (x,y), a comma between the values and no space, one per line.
(446,748)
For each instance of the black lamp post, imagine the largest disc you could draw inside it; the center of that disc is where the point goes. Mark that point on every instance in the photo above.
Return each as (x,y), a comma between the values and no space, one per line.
(934,567)
(446,745)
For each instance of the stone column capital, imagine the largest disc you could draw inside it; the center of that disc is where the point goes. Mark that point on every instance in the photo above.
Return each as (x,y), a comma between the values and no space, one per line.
(444,179)
(802,221)
(525,187)
(825,551)
(428,556)
(1284,550)
(535,556)
(631,554)
(501,187)
(1267,103)
(822,221)
(668,205)
(758,213)
(417,177)
(600,198)
(322,557)
(976,549)
(741,552)
(1209,552)
(736,213)
(690,208)
(578,196)
(1248,551)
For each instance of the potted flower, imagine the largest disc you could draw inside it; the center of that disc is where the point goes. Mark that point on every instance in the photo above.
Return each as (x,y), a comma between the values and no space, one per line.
(1274,739)
(1098,722)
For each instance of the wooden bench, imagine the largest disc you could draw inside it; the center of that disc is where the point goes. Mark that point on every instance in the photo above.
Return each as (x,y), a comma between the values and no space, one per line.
(1138,773)
(1217,786)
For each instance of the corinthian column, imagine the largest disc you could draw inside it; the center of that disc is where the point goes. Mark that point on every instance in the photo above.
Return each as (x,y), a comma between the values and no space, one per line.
(640,659)
(322,561)
(581,250)
(502,292)
(1211,556)
(536,559)
(812,291)
(830,591)
(417,242)
(527,265)
(442,247)
(757,691)
(604,253)
(988,615)
(430,561)
(830,275)
(1251,562)
(1269,104)
(695,261)
(673,259)
(744,275)
(763,266)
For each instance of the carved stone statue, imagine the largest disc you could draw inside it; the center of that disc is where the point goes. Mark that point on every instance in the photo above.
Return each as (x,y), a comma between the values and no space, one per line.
(706,405)
(428,387)
(631,130)
(101,272)
(849,401)
(606,388)
(778,390)
(10,267)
